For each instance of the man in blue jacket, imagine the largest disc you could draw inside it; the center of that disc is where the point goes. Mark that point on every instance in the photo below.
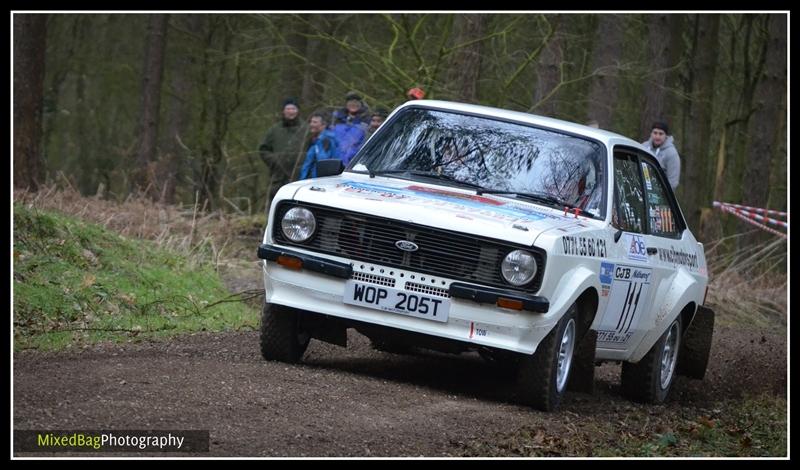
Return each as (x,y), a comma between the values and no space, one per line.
(350,126)
(322,146)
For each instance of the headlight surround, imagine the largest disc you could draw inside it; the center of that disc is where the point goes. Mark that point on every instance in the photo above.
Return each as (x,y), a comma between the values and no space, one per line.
(518,267)
(298,224)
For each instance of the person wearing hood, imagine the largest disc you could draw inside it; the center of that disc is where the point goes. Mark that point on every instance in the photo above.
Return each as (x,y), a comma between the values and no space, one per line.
(350,126)
(282,145)
(661,144)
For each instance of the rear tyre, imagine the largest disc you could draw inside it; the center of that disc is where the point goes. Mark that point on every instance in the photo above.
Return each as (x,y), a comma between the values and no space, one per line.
(281,336)
(650,379)
(696,348)
(543,377)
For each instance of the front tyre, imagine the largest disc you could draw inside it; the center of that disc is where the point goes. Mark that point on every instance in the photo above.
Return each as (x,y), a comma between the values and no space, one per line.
(281,336)
(650,379)
(543,377)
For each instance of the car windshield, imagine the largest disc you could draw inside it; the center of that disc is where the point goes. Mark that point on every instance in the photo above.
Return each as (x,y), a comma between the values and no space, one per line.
(496,156)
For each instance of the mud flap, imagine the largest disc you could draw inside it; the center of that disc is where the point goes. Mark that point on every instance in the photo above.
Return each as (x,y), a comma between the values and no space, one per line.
(696,347)
(582,374)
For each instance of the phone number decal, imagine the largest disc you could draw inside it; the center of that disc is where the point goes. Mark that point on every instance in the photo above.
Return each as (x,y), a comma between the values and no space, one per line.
(583,246)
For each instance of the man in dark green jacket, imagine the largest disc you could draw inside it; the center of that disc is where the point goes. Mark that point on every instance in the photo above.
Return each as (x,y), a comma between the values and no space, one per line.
(282,146)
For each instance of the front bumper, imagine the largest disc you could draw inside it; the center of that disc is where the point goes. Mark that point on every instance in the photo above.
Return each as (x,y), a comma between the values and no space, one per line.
(318,286)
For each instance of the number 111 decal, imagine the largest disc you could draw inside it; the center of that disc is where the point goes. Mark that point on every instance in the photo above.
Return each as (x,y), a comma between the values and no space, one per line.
(627,301)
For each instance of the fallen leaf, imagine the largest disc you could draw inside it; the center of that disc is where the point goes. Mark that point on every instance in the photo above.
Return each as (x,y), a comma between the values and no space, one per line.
(706,422)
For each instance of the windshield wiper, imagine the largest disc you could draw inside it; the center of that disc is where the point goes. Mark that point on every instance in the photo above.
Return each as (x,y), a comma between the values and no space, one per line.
(426,174)
(538,197)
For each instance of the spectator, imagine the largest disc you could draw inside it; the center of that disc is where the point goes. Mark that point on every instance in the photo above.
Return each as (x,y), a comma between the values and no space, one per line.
(415,94)
(321,146)
(350,126)
(377,119)
(662,146)
(282,146)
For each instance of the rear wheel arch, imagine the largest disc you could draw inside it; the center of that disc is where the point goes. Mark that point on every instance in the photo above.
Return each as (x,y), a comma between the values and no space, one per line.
(687,314)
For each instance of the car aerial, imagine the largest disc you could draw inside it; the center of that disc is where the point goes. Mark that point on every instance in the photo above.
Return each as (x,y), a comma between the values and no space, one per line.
(546,246)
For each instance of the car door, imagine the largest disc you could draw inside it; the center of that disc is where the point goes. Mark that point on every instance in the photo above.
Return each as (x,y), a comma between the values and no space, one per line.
(627,277)
(665,230)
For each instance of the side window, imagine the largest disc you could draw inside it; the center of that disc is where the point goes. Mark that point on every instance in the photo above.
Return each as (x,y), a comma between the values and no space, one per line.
(660,212)
(628,194)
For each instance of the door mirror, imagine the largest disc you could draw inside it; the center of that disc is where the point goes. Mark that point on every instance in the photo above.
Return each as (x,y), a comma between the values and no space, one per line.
(329,167)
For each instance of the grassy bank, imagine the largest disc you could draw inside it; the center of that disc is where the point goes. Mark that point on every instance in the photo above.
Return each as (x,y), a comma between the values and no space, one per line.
(76,281)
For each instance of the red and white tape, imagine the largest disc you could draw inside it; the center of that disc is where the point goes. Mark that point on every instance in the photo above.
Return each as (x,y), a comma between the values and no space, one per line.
(749,220)
(753,209)
(754,216)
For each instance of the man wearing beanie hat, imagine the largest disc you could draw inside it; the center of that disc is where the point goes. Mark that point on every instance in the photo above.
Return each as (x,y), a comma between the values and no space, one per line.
(282,145)
(662,146)
(378,116)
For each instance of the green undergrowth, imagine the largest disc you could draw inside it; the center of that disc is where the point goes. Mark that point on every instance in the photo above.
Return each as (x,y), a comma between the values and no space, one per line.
(754,426)
(76,282)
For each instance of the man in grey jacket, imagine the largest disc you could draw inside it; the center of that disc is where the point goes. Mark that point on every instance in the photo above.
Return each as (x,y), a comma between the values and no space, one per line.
(661,144)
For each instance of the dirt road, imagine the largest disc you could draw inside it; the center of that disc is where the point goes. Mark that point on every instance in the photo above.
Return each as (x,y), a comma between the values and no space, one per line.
(347,402)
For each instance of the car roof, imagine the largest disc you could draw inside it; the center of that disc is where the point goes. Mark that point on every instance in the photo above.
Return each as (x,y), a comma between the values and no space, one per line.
(543,121)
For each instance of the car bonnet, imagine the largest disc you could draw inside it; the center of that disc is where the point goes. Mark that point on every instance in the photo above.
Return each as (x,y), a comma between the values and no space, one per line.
(443,207)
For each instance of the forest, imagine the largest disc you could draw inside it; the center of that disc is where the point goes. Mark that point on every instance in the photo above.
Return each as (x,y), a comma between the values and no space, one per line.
(174,106)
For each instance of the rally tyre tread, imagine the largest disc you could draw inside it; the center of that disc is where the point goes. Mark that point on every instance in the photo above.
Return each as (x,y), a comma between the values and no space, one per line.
(696,348)
(641,381)
(637,379)
(581,377)
(537,374)
(279,334)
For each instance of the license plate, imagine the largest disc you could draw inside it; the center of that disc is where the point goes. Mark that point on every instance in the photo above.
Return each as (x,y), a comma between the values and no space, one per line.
(396,301)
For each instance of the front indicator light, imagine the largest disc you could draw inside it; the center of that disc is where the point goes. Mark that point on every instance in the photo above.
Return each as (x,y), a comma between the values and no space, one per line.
(290,262)
(509,303)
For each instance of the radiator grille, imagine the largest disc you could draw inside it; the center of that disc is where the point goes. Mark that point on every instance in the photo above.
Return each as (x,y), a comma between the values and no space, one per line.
(452,255)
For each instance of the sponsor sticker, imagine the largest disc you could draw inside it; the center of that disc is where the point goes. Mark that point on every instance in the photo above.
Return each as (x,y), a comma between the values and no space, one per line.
(606,272)
(678,256)
(468,204)
(635,247)
(627,303)
(647,180)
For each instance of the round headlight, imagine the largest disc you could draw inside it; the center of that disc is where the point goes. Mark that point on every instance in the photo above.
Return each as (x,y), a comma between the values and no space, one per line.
(518,267)
(298,224)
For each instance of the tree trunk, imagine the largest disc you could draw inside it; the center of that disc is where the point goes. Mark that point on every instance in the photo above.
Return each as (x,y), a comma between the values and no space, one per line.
(317,56)
(151,98)
(548,73)
(696,155)
(29,47)
(608,52)
(764,128)
(654,89)
(466,62)
(673,103)
(179,114)
(293,67)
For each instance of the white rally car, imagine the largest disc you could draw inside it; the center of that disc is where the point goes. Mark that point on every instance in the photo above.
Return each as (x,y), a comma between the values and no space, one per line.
(542,244)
